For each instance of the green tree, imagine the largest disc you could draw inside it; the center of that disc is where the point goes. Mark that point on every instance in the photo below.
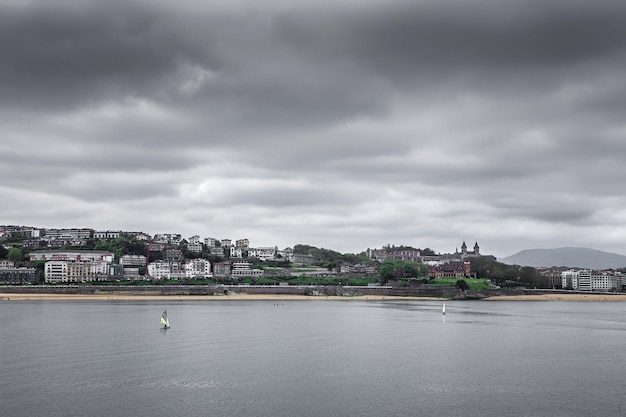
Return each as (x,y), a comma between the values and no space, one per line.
(428,252)
(462,284)
(398,269)
(15,255)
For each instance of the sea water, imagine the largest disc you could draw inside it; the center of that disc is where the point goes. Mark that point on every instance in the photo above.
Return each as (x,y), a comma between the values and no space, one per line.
(312,358)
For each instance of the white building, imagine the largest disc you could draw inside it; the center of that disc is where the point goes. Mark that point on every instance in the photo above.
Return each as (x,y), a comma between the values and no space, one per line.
(237,252)
(64,255)
(72,271)
(68,233)
(159,269)
(242,269)
(264,254)
(168,238)
(242,243)
(216,250)
(210,241)
(587,280)
(198,268)
(106,234)
(56,271)
(194,247)
(165,270)
(6,264)
(134,260)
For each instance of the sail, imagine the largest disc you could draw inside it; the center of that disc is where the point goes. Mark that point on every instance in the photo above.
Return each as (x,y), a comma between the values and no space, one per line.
(164,321)
(443,309)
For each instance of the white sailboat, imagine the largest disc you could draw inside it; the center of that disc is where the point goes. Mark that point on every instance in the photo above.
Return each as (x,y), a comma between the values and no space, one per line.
(164,320)
(443,309)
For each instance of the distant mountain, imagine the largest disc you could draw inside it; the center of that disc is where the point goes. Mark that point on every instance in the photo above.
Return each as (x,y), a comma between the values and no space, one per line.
(570,257)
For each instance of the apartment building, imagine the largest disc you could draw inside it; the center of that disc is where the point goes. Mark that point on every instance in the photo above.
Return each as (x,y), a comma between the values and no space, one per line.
(133,260)
(242,243)
(166,270)
(194,247)
(242,269)
(72,271)
(210,241)
(168,238)
(56,272)
(107,234)
(588,280)
(72,233)
(198,268)
(222,269)
(264,253)
(10,274)
(78,255)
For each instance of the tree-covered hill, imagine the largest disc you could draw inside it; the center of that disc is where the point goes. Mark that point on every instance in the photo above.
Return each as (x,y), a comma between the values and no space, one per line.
(328,258)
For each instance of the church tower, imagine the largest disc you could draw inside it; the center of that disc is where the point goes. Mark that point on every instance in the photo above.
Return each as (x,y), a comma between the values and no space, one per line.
(476,249)
(464,248)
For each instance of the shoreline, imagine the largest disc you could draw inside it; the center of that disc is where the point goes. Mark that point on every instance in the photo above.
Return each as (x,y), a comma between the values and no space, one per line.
(291,297)
(236,297)
(559,297)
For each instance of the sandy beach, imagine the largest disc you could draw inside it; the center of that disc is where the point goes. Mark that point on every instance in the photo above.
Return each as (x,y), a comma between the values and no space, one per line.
(559,297)
(279,297)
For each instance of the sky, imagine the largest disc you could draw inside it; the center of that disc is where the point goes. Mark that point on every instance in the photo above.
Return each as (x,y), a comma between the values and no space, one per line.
(344,124)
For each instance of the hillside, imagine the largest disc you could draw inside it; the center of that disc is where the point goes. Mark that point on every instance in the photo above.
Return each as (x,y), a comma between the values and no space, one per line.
(570,257)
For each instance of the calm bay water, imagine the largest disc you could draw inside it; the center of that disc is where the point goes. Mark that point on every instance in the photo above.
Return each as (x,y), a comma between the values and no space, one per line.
(312,358)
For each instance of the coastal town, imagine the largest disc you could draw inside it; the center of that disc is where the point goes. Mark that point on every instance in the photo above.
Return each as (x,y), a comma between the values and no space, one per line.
(31,255)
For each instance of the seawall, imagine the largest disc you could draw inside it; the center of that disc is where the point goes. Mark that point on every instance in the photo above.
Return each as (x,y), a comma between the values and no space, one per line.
(329,290)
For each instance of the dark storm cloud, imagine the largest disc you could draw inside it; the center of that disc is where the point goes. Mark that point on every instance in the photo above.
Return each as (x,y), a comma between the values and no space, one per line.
(309,66)
(441,39)
(65,54)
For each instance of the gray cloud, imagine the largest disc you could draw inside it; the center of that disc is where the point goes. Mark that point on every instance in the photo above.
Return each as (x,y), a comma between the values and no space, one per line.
(333,124)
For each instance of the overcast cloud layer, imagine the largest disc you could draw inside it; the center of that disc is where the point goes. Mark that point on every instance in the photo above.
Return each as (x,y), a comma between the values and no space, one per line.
(343,124)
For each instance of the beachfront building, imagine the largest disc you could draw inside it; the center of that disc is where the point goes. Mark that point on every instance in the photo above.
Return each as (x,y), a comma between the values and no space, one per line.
(10,274)
(56,272)
(159,269)
(72,271)
(588,280)
(166,270)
